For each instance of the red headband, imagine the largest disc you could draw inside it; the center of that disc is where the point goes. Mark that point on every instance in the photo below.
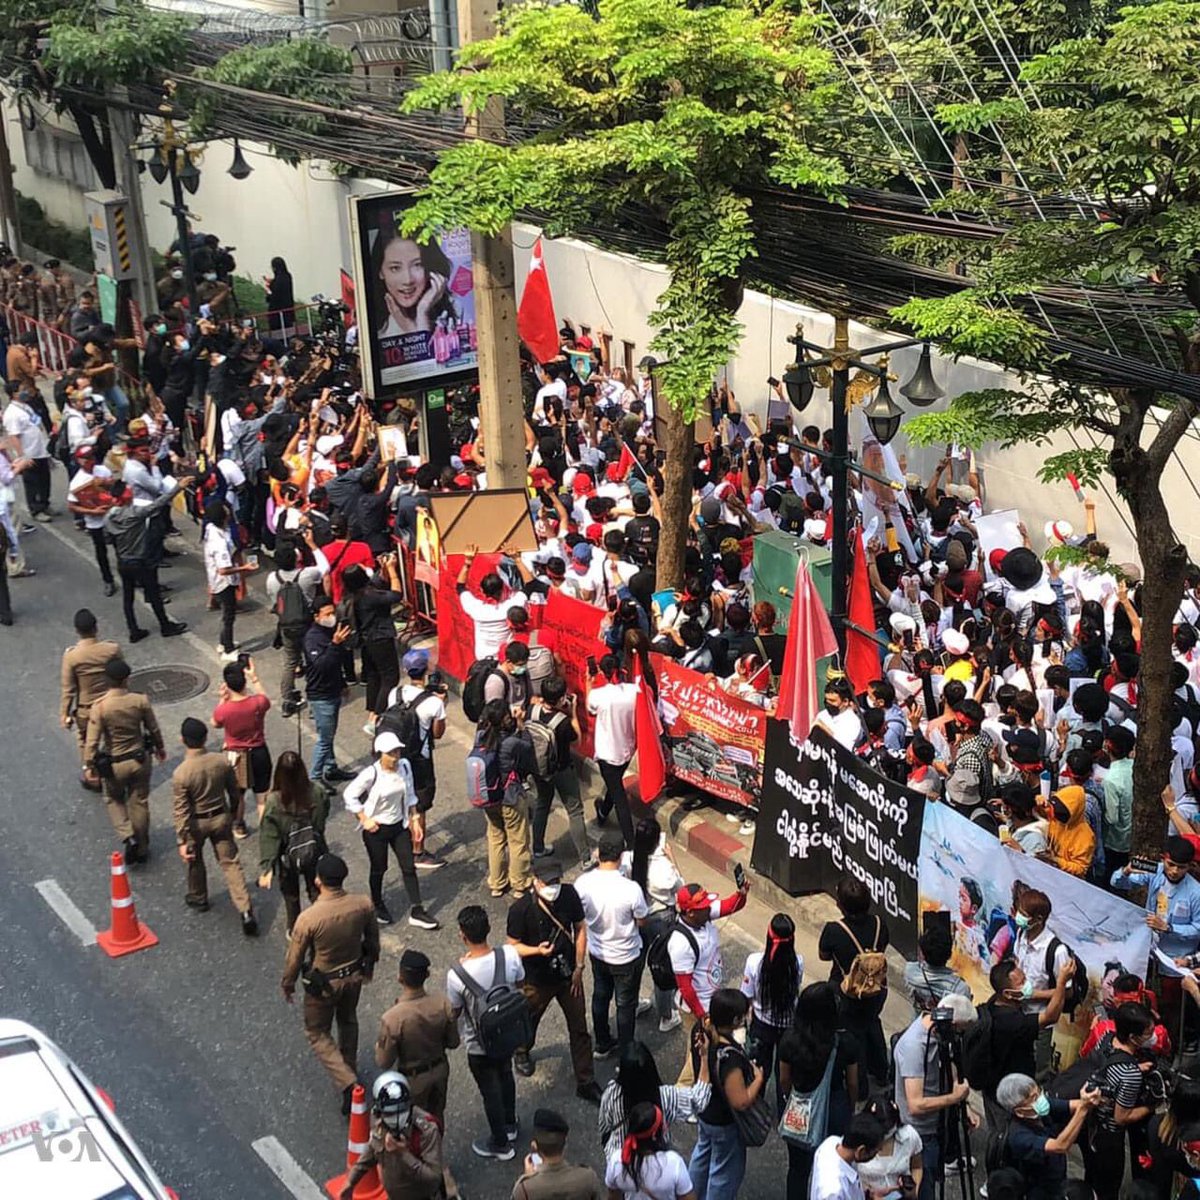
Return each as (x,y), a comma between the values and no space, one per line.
(774,941)
(629,1145)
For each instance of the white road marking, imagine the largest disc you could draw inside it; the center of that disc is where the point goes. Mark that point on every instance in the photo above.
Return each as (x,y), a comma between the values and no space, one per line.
(64,908)
(286,1169)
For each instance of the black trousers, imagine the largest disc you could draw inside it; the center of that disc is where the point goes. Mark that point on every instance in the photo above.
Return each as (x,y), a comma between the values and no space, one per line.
(613,775)
(138,575)
(289,886)
(494,1078)
(101,548)
(36,480)
(5,601)
(381,672)
(227,599)
(400,840)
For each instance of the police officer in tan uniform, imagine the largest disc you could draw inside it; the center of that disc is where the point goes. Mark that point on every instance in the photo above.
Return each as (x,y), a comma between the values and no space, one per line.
(83,683)
(122,732)
(205,793)
(414,1035)
(335,945)
(554,1178)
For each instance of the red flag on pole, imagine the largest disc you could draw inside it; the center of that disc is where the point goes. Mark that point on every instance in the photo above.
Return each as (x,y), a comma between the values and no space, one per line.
(862,653)
(652,766)
(626,462)
(810,637)
(535,314)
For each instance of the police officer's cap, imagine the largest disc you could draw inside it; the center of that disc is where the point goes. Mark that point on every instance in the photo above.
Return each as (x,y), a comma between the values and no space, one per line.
(332,870)
(117,670)
(413,962)
(546,1120)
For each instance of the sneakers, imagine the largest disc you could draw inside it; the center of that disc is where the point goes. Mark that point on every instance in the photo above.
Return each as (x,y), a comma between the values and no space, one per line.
(589,1091)
(547,853)
(249,924)
(369,729)
(428,862)
(110,588)
(337,775)
(240,831)
(513,1131)
(227,656)
(138,634)
(746,828)
(174,628)
(484,1148)
(607,1051)
(421,919)
(644,1006)
(666,1024)
(382,915)
(198,905)
(44,517)
(956,1164)
(522,1063)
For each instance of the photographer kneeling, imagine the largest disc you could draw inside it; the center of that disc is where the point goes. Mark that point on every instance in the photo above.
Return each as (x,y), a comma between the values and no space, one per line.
(929,1083)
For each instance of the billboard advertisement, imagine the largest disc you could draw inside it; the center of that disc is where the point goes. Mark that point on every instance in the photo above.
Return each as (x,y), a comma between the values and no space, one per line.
(415,302)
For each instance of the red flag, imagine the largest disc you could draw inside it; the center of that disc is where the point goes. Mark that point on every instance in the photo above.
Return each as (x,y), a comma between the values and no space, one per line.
(625,463)
(810,637)
(862,653)
(652,766)
(535,314)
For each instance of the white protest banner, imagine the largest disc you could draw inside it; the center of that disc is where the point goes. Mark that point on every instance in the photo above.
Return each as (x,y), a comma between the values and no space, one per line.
(998,531)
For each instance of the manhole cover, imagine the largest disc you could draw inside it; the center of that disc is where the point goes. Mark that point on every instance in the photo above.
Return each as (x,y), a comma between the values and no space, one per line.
(168,685)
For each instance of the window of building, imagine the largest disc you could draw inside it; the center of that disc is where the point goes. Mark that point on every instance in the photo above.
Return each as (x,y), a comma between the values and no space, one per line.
(60,153)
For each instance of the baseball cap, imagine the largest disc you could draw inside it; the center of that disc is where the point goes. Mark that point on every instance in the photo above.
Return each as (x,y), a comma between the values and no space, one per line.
(548,870)
(388,743)
(416,662)
(694,897)
(582,553)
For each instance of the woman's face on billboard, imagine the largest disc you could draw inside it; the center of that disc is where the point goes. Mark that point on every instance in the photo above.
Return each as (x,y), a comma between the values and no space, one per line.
(402,272)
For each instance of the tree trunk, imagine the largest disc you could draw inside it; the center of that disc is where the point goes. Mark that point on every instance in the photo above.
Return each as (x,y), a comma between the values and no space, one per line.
(1164,564)
(678,443)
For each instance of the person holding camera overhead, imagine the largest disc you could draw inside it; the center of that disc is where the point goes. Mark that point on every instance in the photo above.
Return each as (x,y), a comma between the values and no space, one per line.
(547,929)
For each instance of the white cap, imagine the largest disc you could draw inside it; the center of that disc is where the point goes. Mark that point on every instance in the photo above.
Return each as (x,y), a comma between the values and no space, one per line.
(906,685)
(902,623)
(388,743)
(1059,533)
(234,475)
(814,529)
(955,641)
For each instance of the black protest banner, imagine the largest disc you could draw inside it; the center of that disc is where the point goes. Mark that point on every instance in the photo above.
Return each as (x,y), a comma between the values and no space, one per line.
(824,813)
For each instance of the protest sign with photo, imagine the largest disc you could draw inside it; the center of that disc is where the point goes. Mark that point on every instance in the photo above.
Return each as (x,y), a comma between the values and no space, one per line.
(824,813)
(715,741)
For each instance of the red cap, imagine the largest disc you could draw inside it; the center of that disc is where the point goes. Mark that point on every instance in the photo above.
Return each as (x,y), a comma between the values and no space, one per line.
(594,533)
(692,897)
(541,478)
(996,558)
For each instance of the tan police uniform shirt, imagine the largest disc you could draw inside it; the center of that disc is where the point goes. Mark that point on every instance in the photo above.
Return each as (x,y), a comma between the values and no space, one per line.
(405,1175)
(415,1033)
(560,1181)
(120,721)
(202,786)
(339,927)
(83,678)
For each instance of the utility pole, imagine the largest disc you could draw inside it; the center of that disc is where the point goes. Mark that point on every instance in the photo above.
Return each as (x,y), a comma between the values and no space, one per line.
(125,164)
(501,405)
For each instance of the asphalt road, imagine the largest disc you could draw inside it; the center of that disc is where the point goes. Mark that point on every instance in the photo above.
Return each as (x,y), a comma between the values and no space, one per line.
(192,1037)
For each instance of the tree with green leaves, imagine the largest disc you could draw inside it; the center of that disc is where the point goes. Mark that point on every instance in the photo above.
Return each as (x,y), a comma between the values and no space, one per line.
(672,109)
(1113,152)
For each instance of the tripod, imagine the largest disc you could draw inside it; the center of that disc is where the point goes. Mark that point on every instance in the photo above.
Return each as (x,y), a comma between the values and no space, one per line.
(953,1123)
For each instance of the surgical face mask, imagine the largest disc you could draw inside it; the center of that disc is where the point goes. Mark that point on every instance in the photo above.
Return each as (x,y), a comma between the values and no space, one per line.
(160,329)
(1041,1106)
(519,670)
(550,892)
(327,622)
(1021,921)
(176,274)
(184,345)
(210,276)
(1027,989)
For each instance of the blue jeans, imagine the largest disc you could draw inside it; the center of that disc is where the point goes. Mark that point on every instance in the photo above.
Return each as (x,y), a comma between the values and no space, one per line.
(116,399)
(325,718)
(623,980)
(718,1163)
(931,1158)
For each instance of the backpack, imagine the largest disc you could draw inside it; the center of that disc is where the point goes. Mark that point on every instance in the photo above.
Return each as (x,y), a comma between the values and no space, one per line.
(304,845)
(978,1062)
(1077,988)
(995,1153)
(539,668)
(472,690)
(483,778)
(545,746)
(292,609)
(867,976)
(402,720)
(500,1015)
(658,958)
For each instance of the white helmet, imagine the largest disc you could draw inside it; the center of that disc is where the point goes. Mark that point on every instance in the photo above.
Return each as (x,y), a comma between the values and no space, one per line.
(393,1100)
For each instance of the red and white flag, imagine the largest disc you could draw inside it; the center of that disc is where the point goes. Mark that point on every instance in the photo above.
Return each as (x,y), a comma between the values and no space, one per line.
(535,314)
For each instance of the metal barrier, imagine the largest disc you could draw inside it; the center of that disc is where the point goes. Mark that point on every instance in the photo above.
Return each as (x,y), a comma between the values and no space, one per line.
(54,345)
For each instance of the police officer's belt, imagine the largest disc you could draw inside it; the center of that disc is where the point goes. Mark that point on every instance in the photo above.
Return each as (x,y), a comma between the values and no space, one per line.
(215,812)
(421,1067)
(344,972)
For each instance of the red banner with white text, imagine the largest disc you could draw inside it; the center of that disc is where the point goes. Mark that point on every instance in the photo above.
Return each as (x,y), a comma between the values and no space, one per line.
(575,626)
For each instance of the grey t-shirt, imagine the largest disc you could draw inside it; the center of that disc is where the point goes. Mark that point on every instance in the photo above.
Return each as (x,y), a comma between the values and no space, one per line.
(917,1058)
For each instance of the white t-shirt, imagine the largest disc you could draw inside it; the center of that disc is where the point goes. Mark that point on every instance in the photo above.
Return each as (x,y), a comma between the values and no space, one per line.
(751,975)
(663,879)
(882,1173)
(832,1177)
(483,971)
(704,966)
(612,907)
(23,423)
(388,797)
(845,727)
(491,621)
(432,708)
(78,483)
(663,1176)
(216,558)
(614,705)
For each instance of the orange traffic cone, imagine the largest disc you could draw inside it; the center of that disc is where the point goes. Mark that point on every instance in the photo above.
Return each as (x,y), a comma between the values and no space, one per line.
(370,1186)
(127,933)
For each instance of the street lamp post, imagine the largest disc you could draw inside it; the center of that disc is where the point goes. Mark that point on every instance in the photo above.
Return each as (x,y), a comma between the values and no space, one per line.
(883,415)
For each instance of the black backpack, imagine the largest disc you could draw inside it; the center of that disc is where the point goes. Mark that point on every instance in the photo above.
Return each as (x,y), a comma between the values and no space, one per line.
(1077,988)
(472,691)
(500,1014)
(978,1061)
(402,720)
(304,845)
(292,609)
(658,957)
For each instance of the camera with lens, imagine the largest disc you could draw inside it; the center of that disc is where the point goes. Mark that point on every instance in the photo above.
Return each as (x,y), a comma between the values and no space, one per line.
(560,964)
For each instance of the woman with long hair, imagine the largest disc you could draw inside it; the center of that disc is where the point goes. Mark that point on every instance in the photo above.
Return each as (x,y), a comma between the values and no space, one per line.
(1175,1139)
(638,1082)
(281,298)
(294,803)
(645,1167)
(411,284)
(651,866)
(804,1054)
(771,982)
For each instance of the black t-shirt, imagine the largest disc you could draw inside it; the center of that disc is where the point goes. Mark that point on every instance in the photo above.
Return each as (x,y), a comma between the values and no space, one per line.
(723,1061)
(641,536)
(1014,1034)
(529,924)
(837,947)
(807,1072)
(774,644)
(1025,1148)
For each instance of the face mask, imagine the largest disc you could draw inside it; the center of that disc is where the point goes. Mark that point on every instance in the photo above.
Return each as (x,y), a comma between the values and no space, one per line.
(160,329)
(519,671)
(85,392)
(327,622)
(210,276)
(832,708)
(1027,990)
(1021,921)
(184,344)
(1041,1106)
(550,892)
(176,274)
